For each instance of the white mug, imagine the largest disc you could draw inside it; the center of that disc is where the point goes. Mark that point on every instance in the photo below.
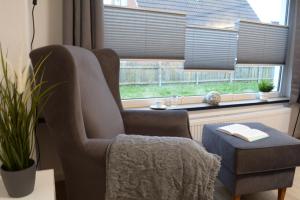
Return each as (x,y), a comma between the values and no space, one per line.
(158,104)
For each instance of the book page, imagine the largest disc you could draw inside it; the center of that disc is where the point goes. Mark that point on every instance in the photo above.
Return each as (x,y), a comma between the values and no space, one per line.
(251,135)
(234,128)
(243,132)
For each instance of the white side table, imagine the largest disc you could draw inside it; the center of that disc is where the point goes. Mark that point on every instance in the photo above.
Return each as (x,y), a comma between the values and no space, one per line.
(44,187)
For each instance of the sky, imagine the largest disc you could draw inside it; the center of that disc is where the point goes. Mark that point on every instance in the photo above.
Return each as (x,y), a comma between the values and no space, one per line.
(269,10)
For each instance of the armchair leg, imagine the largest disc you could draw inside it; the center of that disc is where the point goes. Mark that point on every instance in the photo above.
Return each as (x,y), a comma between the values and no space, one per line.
(238,197)
(281,193)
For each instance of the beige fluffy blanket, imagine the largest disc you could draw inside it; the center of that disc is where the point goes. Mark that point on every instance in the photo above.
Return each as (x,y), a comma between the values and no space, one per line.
(159,168)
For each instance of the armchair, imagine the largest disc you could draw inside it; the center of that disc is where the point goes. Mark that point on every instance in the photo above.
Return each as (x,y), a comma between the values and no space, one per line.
(84,114)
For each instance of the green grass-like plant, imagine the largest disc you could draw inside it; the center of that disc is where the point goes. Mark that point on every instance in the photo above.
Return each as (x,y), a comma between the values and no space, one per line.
(265,86)
(19,114)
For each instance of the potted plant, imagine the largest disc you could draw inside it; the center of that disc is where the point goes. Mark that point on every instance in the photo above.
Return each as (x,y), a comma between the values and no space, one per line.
(265,87)
(20,98)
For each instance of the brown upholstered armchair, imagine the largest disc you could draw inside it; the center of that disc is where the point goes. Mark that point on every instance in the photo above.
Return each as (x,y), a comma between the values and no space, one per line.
(85,113)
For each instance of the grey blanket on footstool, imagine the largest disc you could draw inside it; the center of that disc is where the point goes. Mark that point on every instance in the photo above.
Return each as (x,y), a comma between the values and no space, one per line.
(159,168)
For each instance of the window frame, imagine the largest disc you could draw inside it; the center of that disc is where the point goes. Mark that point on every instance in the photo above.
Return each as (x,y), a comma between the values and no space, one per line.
(286,78)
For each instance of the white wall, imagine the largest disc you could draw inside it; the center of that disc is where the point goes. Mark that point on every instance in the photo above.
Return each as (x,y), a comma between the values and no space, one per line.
(49,22)
(15,26)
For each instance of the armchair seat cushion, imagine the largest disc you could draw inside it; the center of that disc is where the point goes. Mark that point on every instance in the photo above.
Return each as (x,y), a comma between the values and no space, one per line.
(277,152)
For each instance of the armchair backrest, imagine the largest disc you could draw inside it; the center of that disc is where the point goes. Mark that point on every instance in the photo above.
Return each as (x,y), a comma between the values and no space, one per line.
(110,65)
(82,105)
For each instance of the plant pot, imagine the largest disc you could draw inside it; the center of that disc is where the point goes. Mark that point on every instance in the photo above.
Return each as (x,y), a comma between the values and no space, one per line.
(264,95)
(19,183)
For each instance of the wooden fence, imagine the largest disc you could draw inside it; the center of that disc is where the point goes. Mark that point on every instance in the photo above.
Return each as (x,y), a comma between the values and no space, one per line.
(131,75)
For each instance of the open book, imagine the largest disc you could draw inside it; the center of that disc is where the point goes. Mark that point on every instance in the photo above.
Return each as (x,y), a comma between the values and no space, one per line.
(244,132)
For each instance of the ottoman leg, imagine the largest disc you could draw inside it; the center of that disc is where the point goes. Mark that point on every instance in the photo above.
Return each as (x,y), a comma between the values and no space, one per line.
(238,197)
(281,193)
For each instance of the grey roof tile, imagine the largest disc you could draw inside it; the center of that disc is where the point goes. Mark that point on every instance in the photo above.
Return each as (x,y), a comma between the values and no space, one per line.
(214,13)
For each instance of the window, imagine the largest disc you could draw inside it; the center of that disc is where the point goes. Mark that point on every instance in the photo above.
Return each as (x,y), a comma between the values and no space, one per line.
(144,78)
(116,2)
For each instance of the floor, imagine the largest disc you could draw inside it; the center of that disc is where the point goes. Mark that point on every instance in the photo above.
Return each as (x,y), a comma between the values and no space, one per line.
(222,194)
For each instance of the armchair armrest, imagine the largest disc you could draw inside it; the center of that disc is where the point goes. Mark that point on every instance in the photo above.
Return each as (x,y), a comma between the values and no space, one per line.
(95,149)
(157,123)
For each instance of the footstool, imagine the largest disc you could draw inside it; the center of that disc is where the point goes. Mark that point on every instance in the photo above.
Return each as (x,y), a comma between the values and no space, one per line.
(250,167)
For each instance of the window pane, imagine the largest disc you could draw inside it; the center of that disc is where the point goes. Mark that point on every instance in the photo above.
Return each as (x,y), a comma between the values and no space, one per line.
(146,79)
(212,13)
(116,2)
(216,13)
(270,11)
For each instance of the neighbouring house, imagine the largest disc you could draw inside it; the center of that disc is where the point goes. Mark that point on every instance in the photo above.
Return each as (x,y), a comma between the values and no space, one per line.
(203,13)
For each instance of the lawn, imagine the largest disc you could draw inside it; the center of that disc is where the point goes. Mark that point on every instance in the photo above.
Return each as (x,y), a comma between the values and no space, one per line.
(147,91)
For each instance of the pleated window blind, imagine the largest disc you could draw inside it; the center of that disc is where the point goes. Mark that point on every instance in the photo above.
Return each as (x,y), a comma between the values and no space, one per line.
(262,43)
(217,50)
(141,33)
(210,48)
(202,32)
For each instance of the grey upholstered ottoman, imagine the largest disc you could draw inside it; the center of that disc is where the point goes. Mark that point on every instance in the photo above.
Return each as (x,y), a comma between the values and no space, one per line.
(249,167)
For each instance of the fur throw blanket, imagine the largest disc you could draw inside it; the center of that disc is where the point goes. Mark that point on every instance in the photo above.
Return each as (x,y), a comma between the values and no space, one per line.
(159,168)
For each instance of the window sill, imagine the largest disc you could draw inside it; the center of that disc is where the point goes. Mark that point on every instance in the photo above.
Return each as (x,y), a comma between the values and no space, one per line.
(228,104)
(205,106)
(189,100)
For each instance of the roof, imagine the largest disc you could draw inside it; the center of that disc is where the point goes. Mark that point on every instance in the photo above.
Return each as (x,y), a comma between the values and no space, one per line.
(213,13)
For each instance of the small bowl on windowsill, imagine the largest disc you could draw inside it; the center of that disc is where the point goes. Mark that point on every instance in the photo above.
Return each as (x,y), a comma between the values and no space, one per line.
(264,96)
(213,98)
(158,106)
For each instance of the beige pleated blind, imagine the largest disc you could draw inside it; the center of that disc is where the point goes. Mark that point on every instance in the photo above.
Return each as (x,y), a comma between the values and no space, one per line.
(211,49)
(144,33)
(262,43)
(203,33)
